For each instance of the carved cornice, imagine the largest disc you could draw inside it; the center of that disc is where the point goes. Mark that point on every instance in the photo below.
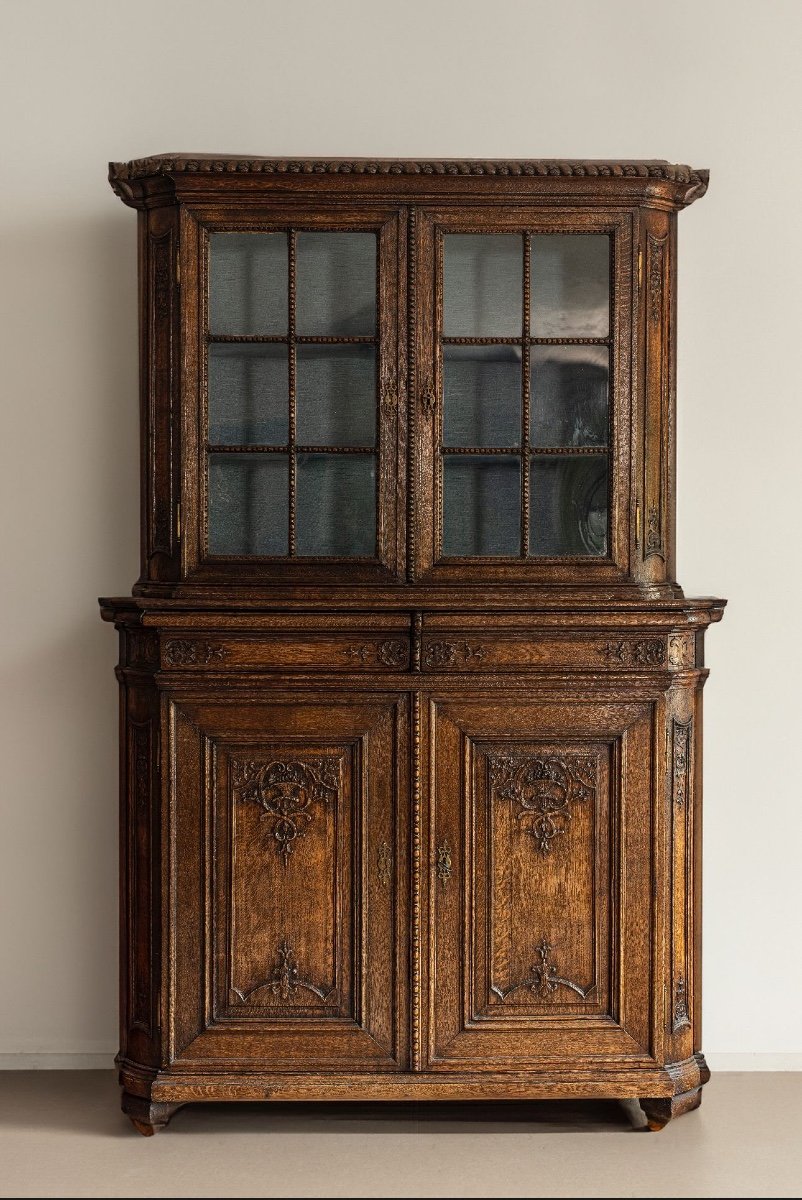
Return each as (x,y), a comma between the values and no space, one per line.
(123,174)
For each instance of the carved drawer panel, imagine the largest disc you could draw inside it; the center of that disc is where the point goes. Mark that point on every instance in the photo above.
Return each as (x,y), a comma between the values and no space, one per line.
(509,650)
(386,651)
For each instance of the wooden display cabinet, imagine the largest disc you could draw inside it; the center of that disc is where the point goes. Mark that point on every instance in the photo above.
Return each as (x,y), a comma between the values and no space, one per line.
(410,696)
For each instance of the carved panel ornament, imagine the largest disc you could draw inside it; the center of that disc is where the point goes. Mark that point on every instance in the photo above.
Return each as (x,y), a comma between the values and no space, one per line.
(680,1017)
(543,979)
(682,650)
(384,864)
(389,653)
(188,653)
(643,652)
(449,654)
(285,979)
(543,789)
(287,792)
(444,865)
(681,739)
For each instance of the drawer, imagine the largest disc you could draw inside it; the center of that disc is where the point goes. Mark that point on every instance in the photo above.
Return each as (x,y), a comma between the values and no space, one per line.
(300,651)
(492,650)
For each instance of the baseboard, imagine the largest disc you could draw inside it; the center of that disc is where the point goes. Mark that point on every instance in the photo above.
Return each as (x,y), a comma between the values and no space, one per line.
(754,1062)
(105,1062)
(57,1062)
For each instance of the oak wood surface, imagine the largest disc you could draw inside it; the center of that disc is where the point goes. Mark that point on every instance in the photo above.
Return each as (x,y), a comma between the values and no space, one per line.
(409,827)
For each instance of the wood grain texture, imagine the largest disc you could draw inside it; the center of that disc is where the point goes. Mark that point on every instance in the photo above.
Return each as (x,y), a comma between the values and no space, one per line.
(409,827)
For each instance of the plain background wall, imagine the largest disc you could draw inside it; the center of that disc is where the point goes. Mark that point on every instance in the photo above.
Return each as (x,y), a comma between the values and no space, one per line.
(710,82)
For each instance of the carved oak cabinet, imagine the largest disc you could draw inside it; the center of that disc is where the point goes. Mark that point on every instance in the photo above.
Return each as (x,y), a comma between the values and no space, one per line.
(410,697)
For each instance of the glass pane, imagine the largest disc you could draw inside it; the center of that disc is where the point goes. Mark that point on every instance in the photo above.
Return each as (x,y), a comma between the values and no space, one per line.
(336,510)
(483,285)
(248,503)
(569,395)
(481,505)
(481,395)
(568,505)
(248,283)
(248,394)
(571,285)
(336,284)
(336,396)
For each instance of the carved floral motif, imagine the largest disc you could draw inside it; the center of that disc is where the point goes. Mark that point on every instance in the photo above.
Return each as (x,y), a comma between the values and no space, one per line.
(682,650)
(544,788)
(284,980)
(186,653)
(643,652)
(542,979)
(388,653)
(287,791)
(680,1018)
(447,654)
(681,738)
(444,862)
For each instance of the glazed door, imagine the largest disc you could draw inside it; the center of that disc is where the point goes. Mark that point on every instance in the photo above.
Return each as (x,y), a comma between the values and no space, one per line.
(522,395)
(297,414)
(541,873)
(288,820)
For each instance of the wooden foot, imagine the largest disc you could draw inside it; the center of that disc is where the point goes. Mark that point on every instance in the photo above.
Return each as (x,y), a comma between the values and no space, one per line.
(147,1116)
(662,1109)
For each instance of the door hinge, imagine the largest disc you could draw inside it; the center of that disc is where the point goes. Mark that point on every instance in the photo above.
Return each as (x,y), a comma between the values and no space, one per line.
(640,268)
(178,521)
(637,523)
(178,272)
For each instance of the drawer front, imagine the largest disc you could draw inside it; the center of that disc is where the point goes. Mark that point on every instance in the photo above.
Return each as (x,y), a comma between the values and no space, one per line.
(525,650)
(288,652)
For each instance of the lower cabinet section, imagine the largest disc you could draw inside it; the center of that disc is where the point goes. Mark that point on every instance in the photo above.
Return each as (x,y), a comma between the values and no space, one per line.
(289,837)
(409,886)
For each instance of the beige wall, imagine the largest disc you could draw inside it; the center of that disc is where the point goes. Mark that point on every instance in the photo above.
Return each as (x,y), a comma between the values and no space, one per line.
(710,82)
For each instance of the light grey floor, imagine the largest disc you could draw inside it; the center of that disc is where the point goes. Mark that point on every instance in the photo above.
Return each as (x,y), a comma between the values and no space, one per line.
(61,1134)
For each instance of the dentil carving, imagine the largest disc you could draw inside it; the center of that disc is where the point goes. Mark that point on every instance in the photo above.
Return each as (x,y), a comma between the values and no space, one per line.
(284,980)
(543,979)
(544,788)
(287,792)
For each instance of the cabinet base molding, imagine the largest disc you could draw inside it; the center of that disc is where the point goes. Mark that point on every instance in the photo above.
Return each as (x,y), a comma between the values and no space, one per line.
(164,1093)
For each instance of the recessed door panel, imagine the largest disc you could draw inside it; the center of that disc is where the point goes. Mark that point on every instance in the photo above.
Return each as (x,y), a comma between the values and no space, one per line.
(300,881)
(540,941)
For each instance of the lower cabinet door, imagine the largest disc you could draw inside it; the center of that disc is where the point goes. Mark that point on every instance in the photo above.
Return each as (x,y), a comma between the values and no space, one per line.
(541,867)
(288,833)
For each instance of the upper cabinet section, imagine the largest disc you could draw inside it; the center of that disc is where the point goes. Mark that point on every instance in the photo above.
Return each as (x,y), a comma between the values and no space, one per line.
(420,372)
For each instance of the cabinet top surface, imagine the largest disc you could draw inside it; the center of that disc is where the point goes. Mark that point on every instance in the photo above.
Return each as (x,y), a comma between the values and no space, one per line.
(691,182)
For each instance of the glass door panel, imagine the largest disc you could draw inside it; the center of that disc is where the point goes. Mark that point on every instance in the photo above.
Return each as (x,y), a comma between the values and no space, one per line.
(525,368)
(292,383)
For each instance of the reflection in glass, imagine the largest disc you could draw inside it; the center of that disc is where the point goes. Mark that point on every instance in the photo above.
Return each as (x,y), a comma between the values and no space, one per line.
(336,508)
(482,285)
(570,285)
(336,284)
(481,505)
(569,395)
(248,394)
(248,504)
(248,283)
(568,505)
(481,395)
(336,396)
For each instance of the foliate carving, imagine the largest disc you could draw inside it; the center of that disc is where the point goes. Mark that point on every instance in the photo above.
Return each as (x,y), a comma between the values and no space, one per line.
(287,792)
(682,650)
(449,654)
(284,980)
(680,1017)
(187,653)
(388,654)
(428,398)
(543,979)
(642,652)
(444,866)
(681,761)
(543,788)
(384,864)
(654,536)
(655,279)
